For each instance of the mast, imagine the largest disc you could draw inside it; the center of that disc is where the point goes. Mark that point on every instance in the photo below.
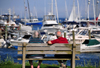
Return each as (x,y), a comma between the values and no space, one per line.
(13,11)
(66,9)
(52,7)
(97,10)
(85,9)
(88,8)
(73,10)
(35,12)
(9,13)
(94,12)
(1,11)
(78,12)
(56,10)
(25,12)
(45,7)
(29,10)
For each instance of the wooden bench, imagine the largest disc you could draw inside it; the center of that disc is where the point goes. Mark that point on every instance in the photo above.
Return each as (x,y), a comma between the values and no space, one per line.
(43,48)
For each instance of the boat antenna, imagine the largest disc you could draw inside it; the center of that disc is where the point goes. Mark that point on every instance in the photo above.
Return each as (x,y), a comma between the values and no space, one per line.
(29,10)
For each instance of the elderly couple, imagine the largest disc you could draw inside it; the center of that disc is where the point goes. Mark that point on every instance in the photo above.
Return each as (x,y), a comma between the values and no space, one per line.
(59,39)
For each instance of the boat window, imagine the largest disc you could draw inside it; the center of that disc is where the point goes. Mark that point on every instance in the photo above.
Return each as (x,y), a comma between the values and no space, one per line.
(26,36)
(77,31)
(95,32)
(50,17)
(50,24)
(84,32)
(35,20)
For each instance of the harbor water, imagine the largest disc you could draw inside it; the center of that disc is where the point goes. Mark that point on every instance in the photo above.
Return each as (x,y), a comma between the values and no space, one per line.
(85,58)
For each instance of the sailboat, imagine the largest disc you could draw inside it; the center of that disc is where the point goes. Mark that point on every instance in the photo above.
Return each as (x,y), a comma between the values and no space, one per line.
(73,19)
(99,19)
(32,20)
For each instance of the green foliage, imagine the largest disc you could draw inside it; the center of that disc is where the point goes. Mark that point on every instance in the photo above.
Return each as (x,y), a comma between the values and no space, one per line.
(87,64)
(7,61)
(27,63)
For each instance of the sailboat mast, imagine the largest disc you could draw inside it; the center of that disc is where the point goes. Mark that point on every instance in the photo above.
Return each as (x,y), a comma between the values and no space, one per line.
(78,11)
(35,11)
(56,11)
(97,10)
(9,13)
(85,9)
(45,7)
(73,10)
(94,12)
(52,7)
(29,10)
(1,11)
(25,12)
(66,9)
(88,8)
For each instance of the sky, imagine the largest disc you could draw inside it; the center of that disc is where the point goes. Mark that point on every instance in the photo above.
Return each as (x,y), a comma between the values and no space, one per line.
(42,7)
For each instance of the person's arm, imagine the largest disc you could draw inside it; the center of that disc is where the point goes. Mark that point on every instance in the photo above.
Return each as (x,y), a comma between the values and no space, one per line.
(52,41)
(49,42)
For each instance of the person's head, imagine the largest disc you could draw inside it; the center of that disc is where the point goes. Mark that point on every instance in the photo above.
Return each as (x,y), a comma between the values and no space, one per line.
(36,34)
(58,34)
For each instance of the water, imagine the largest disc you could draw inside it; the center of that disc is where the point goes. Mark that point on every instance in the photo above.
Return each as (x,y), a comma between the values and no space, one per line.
(84,57)
(36,27)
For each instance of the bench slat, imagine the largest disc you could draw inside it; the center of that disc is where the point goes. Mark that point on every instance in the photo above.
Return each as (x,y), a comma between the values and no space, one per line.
(46,52)
(46,48)
(45,44)
(49,59)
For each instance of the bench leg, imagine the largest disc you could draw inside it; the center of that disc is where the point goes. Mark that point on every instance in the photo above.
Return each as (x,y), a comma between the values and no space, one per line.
(24,55)
(73,51)
(23,62)
(73,59)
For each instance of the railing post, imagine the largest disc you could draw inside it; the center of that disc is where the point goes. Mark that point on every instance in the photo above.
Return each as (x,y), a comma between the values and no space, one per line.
(24,54)
(65,34)
(0,33)
(6,32)
(89,34)
(19,29)
(73,51)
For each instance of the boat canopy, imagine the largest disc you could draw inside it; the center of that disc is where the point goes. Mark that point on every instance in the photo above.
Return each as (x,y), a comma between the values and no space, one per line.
(49,17)
(91,42)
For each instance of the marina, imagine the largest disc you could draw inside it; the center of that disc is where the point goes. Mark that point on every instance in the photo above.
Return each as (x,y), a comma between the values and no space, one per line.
(15,29)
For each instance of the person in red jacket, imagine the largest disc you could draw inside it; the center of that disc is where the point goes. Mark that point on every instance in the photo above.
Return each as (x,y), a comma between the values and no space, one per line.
(59,39)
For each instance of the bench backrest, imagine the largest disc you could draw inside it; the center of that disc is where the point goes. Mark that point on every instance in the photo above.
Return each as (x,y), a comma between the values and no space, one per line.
(43,48)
